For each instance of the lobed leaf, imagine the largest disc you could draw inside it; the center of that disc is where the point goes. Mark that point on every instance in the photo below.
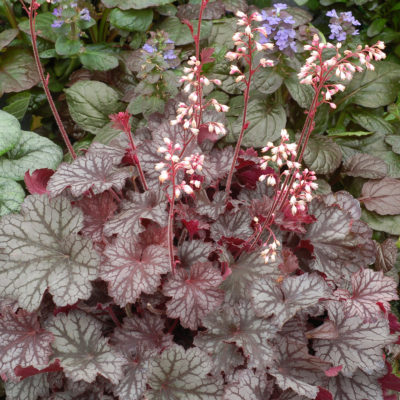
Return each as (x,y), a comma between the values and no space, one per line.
(358,344)
(365,166)
(41,250)
(194,294)
(129,269)
(30,388)
(23,342)
(82,350)
(180,374)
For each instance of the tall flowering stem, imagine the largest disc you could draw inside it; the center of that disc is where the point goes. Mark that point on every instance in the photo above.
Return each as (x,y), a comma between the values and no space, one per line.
(246,47)
(168,174)
(317,72)
(32,13)
(121,121)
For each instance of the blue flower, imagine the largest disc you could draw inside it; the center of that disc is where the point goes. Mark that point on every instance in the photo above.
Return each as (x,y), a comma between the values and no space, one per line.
(279,7)
(342,25)
(332,14)
(169,55)
(57,12)
(284,38)
(57,23)
(85,14)
(169,41)
(148,48)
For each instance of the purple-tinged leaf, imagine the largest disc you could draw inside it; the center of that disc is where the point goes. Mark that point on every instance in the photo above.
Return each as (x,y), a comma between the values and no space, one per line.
(82,350)
(284,300)
(345,201)
(382,196)
(289,263)
(150,205)
(295,330)
(365,166)
(212,209)
(145,332)
(130,269)
(327,330)
(234,224)
(180,374)
(247,385)
(115,152)
(249,268)
(298,370)
(193,251)
(358,345)
(133,385)
(22,342)
(97,211)
(217,165)
(338,251)
(369,288)
(240,325)
(194,294)
(41,249)
(30,388)
(386,255)
(358,387)
(92,171)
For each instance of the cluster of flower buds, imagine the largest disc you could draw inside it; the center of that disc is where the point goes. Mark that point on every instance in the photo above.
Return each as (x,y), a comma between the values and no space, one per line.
(284,153)
(269,253)
(301,191)
(246,43)
(192,164)
(187,115)
(317,71)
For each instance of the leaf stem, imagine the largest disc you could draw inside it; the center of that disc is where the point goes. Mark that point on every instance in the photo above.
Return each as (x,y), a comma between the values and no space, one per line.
(32,19)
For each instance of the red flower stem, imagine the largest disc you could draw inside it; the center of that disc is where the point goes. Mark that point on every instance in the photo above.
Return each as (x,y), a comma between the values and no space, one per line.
(113,316)
(171,224)
(128,132)
(32,19)
(244,122)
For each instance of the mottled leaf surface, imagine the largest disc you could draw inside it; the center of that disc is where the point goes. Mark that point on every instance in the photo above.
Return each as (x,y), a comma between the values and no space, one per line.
(22,341)
(239,324)
(358,345)
(194,294)
(93,171)
(150,205)
(386,254)
(298,370)
(30,388)
(337,251)
(41,249)
(234,224)
(369,288)
(82,350)
(131,269)
(179,374)
(286,299)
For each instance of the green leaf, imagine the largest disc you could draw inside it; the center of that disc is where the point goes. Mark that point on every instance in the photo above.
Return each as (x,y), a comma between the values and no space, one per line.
(322,154)
(10,132)
(67,47)
(135,4)
(90,103)
(7,36)
(43,27)
(180,33)
(334,133)
(11,196)
(146,105)
(302,94)
(222,32)
(385,223)
(375,88)
(18,104)
(131,20)
(266,123)
(98,60)
(266,81)
(32,152)
(376,27)
(372,122)
(17,71)
(394,141)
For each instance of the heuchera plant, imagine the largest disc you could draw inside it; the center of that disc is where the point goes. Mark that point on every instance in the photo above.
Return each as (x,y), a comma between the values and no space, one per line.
(164,267)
